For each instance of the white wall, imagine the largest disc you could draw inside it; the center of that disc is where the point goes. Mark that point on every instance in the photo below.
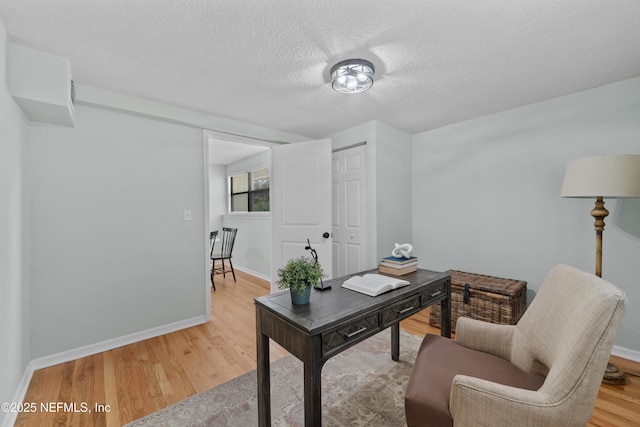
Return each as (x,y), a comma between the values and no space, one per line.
(252,249)
(218,196)
(113,255)
(393,187)
(486,193)
(14,239)
(388,184)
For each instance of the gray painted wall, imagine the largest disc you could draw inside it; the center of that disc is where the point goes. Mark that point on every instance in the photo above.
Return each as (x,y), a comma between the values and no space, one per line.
(111,251)
(486,193)
(15,287)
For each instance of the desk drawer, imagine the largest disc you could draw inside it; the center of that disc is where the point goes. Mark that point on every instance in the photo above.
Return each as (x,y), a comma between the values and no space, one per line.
(334,340)
(433,293)
(401,310)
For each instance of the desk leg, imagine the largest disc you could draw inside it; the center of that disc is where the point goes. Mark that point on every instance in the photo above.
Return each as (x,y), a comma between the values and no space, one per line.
(313,386)
(264,375)
(445,310)
(395,341)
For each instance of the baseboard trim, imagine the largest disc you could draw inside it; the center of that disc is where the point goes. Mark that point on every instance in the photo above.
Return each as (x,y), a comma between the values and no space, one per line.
(626,353)
(21,391)
(253,273)
(91,349)
(88,350)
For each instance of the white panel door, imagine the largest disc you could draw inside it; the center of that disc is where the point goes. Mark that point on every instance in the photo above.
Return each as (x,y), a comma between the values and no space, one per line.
(301,203)
(349,217)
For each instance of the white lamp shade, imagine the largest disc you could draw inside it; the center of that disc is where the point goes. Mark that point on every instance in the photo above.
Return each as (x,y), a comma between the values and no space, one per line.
(612,176)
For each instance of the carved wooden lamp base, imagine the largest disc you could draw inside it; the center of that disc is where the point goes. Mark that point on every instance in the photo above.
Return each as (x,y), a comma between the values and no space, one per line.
(612,375)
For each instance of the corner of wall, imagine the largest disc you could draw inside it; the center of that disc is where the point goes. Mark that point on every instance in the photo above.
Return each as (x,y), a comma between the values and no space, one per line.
(15,350)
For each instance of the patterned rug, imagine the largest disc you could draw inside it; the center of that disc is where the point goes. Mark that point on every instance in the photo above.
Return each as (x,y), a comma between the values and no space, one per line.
(360,387)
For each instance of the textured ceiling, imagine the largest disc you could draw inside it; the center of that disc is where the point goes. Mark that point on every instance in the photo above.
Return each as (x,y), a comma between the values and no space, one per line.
(267,62)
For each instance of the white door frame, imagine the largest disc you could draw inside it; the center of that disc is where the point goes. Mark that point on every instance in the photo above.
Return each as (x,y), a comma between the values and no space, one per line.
(207,260)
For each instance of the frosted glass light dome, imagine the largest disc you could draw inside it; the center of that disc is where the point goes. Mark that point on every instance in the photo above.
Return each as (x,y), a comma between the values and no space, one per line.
(352,76)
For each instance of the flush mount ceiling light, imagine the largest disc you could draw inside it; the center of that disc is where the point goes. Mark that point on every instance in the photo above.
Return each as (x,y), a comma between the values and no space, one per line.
(352,76)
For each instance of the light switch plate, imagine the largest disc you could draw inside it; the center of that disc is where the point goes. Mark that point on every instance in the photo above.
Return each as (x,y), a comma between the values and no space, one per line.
(187,214)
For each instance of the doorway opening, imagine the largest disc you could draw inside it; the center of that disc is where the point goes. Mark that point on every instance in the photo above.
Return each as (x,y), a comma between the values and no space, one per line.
(225,155)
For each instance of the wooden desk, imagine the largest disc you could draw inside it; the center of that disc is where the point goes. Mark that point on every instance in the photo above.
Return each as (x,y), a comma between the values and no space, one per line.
(333,321)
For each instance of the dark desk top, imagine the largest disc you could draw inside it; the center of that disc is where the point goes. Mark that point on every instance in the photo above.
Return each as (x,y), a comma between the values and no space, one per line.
(326,308)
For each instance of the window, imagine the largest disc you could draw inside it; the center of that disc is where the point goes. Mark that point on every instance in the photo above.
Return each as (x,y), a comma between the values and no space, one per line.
(250,191)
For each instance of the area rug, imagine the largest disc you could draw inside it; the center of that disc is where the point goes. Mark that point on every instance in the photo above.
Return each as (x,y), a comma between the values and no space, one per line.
(360,387)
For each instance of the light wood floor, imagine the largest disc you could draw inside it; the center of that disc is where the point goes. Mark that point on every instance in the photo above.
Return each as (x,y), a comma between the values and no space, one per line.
(141,378)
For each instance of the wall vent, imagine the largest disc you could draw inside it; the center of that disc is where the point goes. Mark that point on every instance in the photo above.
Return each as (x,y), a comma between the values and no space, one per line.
(72,94)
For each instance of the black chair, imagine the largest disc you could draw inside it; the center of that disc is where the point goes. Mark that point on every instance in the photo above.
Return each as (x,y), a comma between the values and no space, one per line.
(228,239)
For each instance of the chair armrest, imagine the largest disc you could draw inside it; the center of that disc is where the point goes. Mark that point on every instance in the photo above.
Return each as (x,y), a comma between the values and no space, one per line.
(477,402)
(484,336)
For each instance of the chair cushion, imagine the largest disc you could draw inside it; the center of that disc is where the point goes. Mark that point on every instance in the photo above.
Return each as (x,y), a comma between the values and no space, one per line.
(439,360)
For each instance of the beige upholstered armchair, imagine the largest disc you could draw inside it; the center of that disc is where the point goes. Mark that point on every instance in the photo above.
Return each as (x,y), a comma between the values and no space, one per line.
(545,371)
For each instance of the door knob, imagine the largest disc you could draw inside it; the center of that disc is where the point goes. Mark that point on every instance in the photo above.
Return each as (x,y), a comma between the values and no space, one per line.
(325,235)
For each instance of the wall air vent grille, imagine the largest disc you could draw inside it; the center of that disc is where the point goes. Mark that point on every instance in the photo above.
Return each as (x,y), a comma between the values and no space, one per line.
(73,93)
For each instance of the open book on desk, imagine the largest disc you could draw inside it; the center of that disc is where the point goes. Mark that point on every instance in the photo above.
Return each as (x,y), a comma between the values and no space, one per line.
(373,284)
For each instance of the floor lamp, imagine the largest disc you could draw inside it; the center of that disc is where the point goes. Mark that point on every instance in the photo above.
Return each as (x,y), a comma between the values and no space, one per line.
(599,177)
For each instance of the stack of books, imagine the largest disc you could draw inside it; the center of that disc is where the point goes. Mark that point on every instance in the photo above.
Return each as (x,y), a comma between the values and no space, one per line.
(398,266)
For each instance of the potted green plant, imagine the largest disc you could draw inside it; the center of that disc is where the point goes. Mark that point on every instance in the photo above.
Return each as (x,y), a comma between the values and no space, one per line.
(299,275)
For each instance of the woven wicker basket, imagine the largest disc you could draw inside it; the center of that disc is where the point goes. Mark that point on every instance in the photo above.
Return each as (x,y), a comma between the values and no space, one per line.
(491,299)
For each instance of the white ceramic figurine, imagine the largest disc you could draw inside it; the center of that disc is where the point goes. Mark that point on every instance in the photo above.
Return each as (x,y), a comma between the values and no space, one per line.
(402,251)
